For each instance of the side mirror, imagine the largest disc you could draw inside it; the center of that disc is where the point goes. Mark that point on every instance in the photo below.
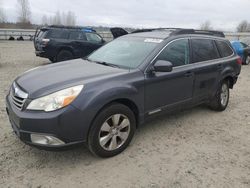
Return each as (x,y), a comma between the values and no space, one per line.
(163,66)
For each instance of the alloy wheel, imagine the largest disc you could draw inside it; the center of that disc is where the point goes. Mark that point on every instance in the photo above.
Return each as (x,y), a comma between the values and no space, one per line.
(114,132)
(224,94)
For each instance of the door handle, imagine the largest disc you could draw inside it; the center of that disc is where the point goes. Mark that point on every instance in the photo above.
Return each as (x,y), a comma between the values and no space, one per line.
(189,74)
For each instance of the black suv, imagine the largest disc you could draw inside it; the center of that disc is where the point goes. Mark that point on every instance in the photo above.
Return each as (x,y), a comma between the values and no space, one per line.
(60,43)
(102,99)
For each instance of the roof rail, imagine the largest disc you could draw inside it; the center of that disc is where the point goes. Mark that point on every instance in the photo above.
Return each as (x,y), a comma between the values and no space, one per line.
(72,27)
(153,29)
(199,32)
(181,31)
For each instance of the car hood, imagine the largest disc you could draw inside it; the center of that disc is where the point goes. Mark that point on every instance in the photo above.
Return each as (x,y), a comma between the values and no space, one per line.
(50,78)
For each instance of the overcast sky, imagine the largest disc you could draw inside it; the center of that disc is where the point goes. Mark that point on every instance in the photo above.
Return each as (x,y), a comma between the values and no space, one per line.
(223,14)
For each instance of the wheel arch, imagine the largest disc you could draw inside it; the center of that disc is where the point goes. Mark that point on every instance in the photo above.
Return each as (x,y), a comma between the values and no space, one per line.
(230,80)
(65,48)
(126,102)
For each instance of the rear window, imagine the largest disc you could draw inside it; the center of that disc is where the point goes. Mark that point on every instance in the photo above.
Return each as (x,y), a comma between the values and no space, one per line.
(40,33)
(204,50)
(224,49)
(57,34)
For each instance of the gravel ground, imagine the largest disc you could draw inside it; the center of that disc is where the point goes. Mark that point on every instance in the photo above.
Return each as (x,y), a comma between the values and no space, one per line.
(194,148)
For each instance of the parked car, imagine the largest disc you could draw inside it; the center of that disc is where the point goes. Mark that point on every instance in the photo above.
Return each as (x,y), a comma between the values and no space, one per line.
(60,43)
(243,50)
(102,99)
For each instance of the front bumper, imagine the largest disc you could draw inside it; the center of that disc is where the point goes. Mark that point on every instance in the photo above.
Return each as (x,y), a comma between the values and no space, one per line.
(65,124)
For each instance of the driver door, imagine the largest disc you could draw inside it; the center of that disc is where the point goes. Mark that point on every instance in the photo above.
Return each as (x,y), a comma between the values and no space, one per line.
(165,90)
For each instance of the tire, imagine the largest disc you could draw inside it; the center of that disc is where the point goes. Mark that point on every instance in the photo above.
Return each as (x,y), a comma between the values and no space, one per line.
(64,55)
(52,59)
(247,61)
(221,99)
(111,131)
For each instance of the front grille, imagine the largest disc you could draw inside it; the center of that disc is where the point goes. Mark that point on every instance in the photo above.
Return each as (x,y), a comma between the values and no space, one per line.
(17,101)
(18,97)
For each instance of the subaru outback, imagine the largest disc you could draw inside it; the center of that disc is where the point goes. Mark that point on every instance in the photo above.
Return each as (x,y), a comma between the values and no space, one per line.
(102,99)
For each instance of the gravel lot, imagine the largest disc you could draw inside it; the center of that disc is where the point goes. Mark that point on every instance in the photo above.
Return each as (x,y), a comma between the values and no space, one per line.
(194,148)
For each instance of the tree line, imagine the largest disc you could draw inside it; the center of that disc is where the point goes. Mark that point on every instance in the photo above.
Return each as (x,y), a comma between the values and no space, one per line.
(69,18)
(24,16)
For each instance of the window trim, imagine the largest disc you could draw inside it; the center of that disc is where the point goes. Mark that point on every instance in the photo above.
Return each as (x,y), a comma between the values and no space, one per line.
(170,42)
(190,52)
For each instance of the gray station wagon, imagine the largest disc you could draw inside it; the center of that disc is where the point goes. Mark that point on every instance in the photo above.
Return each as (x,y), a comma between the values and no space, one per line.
(102,99)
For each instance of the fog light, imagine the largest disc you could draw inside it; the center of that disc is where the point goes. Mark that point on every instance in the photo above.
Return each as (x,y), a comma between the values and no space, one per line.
(46,140)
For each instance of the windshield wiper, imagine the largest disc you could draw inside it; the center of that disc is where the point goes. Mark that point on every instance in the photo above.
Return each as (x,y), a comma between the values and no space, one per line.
(105,63)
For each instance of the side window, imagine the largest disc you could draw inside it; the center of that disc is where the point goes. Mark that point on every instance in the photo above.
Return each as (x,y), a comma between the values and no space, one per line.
(176,52)
(224,49)
(92,37)
(204,50)
(77,35)
(57,34)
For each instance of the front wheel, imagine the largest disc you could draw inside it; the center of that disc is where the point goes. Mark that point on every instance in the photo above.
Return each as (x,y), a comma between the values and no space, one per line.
(221,99)
(112,130)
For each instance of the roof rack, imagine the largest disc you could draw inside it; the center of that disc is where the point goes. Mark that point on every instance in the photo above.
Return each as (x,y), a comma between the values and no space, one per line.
(88,29)
(198,32)
(153,29)
(181,31)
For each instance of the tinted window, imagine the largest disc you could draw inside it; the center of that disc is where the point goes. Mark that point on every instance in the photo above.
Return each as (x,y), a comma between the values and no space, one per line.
(204,50)
(57,34)
(41,33)
(176,52)
(92,37)
(224,49)
(77,35)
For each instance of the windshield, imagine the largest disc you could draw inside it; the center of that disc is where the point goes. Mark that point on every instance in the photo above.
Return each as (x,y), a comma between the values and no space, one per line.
(127,52)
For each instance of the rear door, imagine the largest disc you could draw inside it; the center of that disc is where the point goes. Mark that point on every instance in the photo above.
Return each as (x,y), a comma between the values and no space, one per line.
(94,41)
(207,67)
(77,40)
(84,43)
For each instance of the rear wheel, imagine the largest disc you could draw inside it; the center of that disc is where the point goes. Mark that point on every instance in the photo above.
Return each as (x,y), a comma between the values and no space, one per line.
(52,59)
(112,130)
(64,55)
(221,99)
(247,62)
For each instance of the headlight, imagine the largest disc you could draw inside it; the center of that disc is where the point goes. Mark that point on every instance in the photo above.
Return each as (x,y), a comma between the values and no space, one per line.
(55,100)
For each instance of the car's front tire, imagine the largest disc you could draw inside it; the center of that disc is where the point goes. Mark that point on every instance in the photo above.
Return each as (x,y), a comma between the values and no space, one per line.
(220,101)
(112,130)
